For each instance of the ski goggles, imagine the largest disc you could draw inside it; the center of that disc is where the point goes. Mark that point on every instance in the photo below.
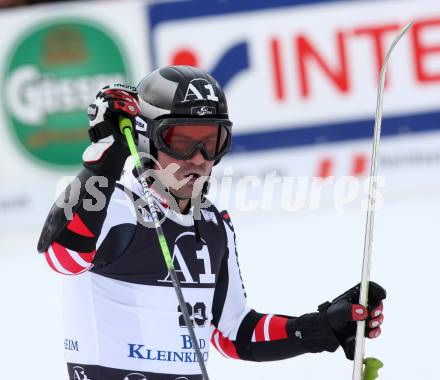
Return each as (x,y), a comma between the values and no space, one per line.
(182,141)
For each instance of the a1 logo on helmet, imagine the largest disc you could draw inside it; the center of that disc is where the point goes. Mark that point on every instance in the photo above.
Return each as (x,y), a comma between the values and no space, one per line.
(194,93)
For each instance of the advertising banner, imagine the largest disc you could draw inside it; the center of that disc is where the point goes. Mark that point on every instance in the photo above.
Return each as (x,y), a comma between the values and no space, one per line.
(53,61)
(301,81)
(297,74)
(300,78)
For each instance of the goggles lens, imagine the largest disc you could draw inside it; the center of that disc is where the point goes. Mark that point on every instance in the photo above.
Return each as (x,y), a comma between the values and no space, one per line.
(183,141)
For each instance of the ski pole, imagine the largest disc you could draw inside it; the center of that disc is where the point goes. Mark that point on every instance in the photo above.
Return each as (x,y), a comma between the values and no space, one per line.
(366,265)
(126,127)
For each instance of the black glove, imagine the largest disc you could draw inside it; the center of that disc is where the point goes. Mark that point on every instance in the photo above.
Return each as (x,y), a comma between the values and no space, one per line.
(343,312)
(109,150)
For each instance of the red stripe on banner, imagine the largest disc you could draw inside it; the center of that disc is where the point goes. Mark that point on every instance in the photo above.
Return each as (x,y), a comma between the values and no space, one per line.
(49,261)
(277,328)
(359,165)
(376,35)
(325,167)
(226,345)
(259,330)
(77,225)
(66,261)
(277,69)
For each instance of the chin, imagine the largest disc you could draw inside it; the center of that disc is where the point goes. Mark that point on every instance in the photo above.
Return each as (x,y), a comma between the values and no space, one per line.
(187,192)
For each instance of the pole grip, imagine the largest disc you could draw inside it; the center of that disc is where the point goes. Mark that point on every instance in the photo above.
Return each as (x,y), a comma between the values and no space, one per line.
(125,122)
(126,127)
(371,368)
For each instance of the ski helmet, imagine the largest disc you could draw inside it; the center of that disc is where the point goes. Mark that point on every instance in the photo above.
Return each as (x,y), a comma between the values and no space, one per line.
(175,95)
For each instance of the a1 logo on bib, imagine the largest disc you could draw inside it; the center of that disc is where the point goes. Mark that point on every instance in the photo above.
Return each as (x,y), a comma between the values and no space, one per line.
(200,89)
(79,373)
(183,266)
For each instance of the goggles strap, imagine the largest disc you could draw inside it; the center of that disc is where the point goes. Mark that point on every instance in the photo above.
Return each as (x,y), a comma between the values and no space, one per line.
(219,132)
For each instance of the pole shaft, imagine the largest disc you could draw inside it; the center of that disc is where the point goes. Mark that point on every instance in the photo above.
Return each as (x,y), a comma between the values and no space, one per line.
(368,241)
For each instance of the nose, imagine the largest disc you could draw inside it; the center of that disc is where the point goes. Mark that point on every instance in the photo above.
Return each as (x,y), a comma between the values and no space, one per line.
(197,159)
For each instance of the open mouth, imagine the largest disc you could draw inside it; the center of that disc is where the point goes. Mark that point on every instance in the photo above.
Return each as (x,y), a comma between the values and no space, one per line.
(192,177)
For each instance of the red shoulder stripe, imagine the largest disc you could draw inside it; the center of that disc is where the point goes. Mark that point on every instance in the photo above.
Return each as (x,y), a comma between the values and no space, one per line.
(270,327)
(259,330)
(77,225)
(277,328)
(67,261)
(223,345)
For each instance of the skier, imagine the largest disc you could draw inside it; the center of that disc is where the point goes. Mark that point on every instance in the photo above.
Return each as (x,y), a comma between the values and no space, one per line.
(122,318)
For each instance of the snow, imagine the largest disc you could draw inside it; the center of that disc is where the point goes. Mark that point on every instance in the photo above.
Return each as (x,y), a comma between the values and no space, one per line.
(291,262)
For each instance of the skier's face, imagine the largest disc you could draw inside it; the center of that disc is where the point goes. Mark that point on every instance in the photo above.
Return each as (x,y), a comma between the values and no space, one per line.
(191,173)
